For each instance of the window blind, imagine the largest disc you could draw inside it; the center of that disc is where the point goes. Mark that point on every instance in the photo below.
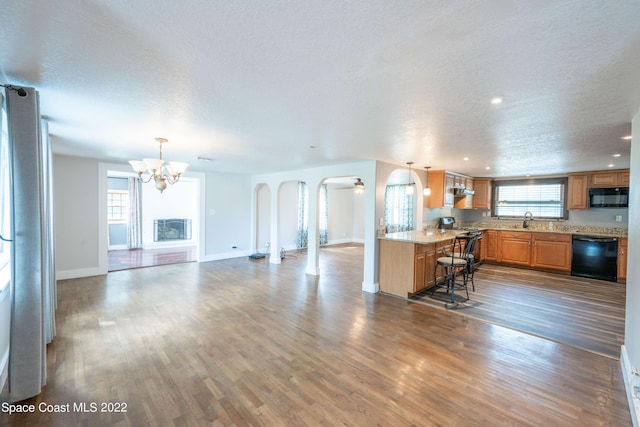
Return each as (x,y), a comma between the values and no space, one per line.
(544,198)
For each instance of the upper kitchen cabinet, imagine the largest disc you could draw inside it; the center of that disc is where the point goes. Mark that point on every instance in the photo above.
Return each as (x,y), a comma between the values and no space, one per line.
(609,179)
(441,184)
(578,191)
(482,196)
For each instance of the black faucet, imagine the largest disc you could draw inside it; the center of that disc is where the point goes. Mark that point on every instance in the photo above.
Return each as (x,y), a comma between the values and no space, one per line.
(528,216)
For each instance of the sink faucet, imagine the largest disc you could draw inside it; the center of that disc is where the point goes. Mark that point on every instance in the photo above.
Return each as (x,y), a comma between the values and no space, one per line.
(528,216)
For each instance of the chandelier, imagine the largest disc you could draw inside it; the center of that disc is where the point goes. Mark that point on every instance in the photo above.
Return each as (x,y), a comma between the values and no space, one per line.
(160,172)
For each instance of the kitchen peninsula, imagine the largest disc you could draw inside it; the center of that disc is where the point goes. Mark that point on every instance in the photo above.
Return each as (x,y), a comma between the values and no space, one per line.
(408,260)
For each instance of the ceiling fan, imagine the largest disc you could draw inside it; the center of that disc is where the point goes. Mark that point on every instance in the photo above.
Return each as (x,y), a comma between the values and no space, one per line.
(358,186)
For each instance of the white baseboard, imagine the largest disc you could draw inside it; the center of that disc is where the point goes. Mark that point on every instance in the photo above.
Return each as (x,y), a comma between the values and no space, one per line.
(75,274)
(634,404)
(224,255)
(372,288)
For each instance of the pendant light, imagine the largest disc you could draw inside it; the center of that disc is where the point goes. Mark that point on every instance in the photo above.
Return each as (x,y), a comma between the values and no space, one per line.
(409,185)
(427,190)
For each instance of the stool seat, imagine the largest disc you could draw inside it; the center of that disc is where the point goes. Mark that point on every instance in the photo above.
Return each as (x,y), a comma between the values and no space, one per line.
(456,261)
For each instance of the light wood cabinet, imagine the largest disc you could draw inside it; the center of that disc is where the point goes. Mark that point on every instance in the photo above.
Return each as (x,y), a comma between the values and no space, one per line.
(406,268)
(578,191)
(423,267)
(514,248)
(622,260)
(489,245)
(441,184)
(551,251)
(482,196)
(449,183)
(609,179)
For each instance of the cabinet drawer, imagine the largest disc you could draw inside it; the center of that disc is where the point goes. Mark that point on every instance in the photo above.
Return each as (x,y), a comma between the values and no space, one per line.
(421,248)
(520,235)
(552,237)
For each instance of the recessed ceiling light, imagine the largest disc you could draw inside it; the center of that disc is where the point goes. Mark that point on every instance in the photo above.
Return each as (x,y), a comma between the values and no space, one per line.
(488,167)
(627,137)
(466,158)
(616,155)
(497,100)
(610,165)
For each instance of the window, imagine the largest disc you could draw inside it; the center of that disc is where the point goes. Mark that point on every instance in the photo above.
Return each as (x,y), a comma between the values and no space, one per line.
(117,206)
(398,208)
(544,198)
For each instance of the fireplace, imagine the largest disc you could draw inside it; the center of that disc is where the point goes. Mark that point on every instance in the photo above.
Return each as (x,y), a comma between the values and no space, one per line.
(168,230)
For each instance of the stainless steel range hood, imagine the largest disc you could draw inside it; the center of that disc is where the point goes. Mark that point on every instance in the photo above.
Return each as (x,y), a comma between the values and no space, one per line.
(463,192)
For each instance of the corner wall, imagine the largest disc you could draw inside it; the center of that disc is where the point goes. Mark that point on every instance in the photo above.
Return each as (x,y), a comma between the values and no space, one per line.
(630,358)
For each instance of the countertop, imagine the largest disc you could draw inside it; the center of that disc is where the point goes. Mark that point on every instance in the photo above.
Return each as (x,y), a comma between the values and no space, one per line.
(434,235)
(431,236)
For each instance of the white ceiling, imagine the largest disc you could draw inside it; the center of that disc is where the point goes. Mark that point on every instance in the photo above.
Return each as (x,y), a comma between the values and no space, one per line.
(255,84)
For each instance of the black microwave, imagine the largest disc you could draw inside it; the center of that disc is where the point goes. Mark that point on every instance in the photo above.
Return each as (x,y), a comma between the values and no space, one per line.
(609,197)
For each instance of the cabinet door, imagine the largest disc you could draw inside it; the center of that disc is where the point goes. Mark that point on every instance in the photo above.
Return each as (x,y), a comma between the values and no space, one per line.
(515,251)
(448,190)
(606,179)
(578,192)
(622,259)
(623,179)
(469,185)
(551,254)
(430,266)
(482,196)
(419,270)
(490,245)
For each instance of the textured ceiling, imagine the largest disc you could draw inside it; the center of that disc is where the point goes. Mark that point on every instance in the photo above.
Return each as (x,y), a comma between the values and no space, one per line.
(263,86)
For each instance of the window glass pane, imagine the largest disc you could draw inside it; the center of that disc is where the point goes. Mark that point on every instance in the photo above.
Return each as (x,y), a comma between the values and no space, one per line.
(117,205)
(543,198)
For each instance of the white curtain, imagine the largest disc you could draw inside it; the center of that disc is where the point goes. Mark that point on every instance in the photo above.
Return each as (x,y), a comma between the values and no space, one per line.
(303,228)
(398,208)
(323,218)
(134,229)
(33,284)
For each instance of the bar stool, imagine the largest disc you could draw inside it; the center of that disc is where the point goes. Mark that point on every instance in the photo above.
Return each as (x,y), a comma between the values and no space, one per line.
(456,263)
(472,239)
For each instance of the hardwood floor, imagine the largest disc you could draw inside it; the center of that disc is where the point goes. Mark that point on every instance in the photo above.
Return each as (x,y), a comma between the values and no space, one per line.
(586,313)
(137,258)
(242,342)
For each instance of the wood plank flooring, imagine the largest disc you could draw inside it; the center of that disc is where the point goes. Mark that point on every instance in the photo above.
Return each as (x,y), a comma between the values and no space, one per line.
(137,258)
(586,313)
(241,342)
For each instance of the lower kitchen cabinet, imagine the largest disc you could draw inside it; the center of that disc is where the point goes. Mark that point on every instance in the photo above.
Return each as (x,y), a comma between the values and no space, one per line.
(406,268)
(551,251)
(515,247)
(489,246)
(423,267)
(622,260)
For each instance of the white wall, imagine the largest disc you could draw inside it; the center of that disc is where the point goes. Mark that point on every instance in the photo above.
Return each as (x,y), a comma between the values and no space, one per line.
(177,201)
(288,220)
(631,350)
(75,188)
(227,221)
(263,218)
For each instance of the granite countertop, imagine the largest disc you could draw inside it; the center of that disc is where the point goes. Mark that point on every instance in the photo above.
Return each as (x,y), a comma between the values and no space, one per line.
(430,236)
(543,227)
(434,235)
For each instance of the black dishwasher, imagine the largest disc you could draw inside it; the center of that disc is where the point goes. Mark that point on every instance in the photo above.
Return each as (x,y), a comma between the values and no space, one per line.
(595,257)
